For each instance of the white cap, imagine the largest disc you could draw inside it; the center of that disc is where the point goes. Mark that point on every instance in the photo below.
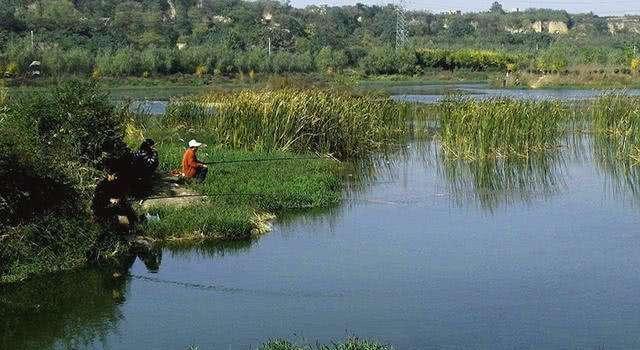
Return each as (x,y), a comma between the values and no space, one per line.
(194,143)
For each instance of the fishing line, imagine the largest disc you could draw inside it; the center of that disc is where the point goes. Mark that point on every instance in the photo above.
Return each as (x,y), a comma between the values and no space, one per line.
(223,289)
(266,195)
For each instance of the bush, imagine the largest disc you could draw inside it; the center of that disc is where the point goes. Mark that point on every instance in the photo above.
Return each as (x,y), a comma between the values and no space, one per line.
(465,58)
(122,63)
(380,60)
(51,145)
(635,64)
(252,60)
(329,60)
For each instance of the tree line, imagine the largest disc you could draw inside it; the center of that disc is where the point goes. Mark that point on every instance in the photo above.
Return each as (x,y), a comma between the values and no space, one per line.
(159,37)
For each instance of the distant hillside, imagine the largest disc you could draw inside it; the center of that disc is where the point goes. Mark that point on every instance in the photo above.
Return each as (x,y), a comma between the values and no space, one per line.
(305,39)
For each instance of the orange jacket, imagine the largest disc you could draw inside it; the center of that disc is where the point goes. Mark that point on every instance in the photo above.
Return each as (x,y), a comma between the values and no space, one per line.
(190,163)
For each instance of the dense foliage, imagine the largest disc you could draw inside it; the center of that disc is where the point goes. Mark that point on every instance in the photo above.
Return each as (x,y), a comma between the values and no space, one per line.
(51,147)
(144,38)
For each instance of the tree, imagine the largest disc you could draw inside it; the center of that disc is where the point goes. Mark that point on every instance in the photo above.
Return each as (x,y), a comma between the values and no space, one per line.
(496,8)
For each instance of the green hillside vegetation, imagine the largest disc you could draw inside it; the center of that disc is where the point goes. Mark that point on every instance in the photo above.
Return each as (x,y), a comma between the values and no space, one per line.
(145,38)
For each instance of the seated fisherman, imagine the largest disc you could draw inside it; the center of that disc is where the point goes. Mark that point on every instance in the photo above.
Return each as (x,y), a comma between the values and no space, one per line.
(192,168)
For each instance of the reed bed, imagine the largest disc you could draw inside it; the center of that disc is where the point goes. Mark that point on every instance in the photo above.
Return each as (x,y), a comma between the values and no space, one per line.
(300,120)
(500,128)
(616,122)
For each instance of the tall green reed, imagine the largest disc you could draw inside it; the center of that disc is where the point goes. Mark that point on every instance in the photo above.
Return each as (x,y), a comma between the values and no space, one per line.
(616,123)
(500,128)
(302,120)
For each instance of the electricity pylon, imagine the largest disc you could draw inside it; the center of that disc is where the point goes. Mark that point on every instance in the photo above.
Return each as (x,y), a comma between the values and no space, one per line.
(402,34)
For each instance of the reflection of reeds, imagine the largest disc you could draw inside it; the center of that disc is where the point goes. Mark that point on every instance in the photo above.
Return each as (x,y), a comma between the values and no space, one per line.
(209,249)
(500,128)
(492,182)
(623,173)
(69,310)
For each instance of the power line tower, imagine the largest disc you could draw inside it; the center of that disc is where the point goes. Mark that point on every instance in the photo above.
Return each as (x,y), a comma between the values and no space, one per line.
(402,34)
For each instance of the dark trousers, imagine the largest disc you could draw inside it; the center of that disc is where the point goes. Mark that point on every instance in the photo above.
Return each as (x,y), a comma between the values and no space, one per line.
(201,174)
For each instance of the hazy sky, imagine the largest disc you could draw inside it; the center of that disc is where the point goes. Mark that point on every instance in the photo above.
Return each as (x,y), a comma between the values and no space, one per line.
(618,7)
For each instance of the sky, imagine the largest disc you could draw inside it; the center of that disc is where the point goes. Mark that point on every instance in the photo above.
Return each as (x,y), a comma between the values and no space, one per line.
(603,8)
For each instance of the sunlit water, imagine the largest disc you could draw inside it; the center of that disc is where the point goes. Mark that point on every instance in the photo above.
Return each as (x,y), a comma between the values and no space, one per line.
(423,254)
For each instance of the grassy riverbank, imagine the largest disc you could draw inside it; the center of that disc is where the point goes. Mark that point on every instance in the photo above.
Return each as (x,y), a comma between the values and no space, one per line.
(242,197)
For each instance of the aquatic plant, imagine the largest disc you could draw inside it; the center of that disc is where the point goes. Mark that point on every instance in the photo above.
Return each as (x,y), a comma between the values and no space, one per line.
(616,117)
(494,182)
(498,128)
(301,120)
(351,343)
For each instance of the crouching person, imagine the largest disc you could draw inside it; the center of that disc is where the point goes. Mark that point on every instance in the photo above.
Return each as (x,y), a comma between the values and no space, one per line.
(192,168)
(110,205)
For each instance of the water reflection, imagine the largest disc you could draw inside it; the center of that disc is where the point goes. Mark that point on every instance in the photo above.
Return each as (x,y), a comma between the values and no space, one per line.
(622,174)
(494,182)
(69,309)
(65,310)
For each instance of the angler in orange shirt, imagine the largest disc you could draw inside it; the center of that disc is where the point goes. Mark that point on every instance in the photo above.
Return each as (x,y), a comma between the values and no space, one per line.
(192,168)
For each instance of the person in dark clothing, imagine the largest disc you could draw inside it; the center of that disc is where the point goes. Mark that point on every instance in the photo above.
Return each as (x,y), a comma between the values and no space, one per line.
(110,205)
(145,159)
(144,164)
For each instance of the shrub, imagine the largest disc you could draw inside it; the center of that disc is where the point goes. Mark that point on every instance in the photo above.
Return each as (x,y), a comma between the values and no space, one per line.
(635,64)
(122,63)
(380,60)
(329,60)
(50,146)
(465,58)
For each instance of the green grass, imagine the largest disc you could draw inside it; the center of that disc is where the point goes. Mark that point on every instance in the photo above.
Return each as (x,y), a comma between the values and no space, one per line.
(499,128)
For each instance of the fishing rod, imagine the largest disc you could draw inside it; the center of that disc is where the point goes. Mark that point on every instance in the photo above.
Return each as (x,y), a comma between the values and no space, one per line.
(267,160)
(208,195)
(263,195)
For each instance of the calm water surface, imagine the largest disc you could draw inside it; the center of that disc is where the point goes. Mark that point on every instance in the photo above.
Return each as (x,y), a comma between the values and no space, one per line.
(424,254)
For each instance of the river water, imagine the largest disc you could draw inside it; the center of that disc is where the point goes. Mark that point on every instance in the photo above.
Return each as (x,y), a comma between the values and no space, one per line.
(424,253)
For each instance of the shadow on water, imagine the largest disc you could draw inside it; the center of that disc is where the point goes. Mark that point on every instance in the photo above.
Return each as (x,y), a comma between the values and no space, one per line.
(68,310)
